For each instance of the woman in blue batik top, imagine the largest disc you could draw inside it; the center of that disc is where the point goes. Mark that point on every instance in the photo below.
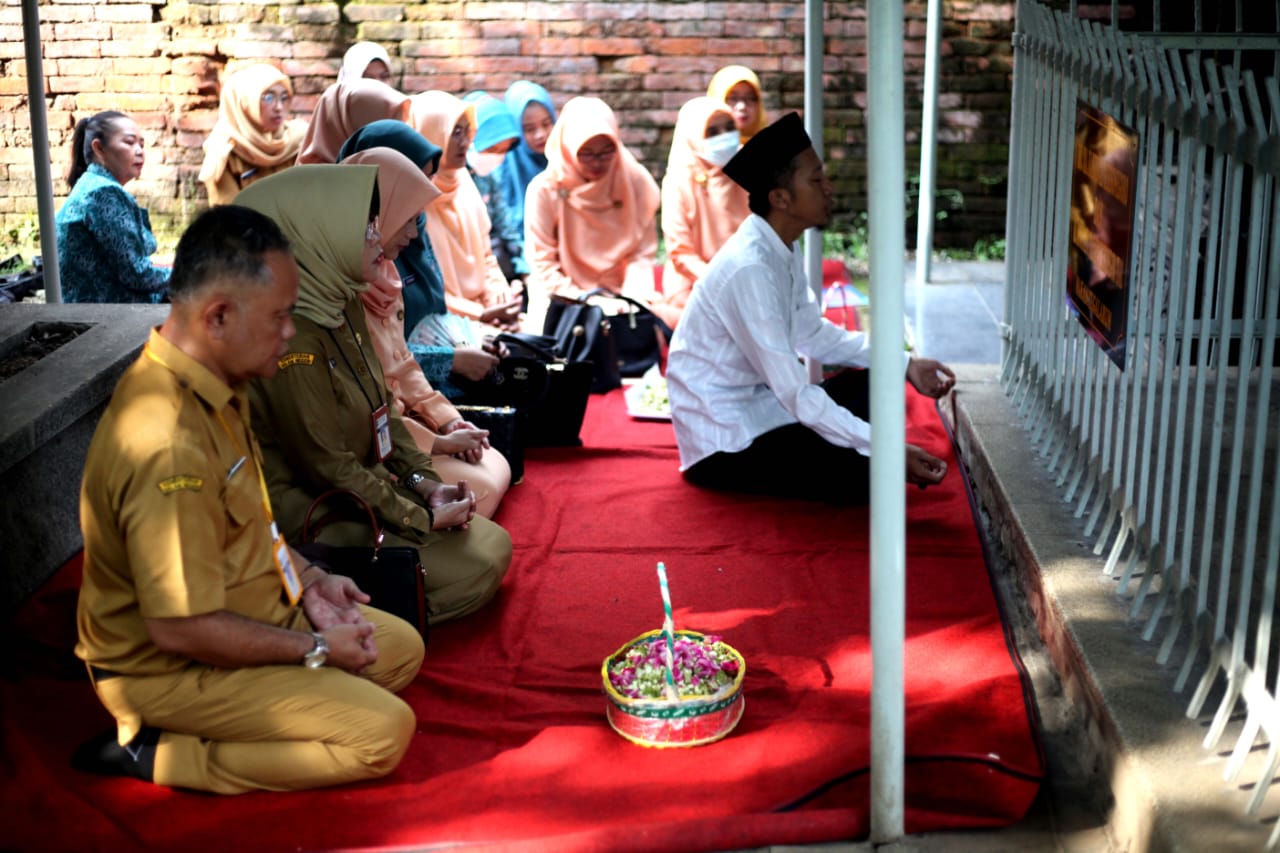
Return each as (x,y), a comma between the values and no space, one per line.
(104,238)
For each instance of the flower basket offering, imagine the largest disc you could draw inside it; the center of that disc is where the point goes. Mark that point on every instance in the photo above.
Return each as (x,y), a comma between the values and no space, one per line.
(669,688)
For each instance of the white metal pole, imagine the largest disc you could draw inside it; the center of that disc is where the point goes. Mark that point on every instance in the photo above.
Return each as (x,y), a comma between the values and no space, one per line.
(928,153)
(40,149)
(887,244)
(814,47)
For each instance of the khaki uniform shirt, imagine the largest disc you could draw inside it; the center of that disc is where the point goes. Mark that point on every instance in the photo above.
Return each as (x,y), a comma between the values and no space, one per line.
(173,514)
(314,419)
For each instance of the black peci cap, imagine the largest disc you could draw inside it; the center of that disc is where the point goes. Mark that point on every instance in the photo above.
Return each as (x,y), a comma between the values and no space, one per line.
(759,160)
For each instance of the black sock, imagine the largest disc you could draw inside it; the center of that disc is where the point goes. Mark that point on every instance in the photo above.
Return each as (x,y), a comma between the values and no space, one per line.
(105,756)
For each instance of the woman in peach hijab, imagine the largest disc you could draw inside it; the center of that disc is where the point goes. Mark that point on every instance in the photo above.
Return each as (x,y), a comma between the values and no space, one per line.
(701,205)
(590,217)
(254,136)
(343,109)
(457,222)
(739,88)
(459,450)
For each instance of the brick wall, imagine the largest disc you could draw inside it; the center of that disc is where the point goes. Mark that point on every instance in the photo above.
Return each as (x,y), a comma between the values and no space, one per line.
(161,63)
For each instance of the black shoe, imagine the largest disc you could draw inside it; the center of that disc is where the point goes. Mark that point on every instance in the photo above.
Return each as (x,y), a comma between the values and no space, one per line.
(105,756)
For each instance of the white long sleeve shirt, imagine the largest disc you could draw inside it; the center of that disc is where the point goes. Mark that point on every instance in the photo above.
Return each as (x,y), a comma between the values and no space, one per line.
(734,371)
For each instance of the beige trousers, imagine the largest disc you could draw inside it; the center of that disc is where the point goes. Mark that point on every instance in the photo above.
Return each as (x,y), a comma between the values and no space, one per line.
(276,728)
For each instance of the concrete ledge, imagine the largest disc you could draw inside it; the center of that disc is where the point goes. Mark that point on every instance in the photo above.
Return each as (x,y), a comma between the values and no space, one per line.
(49,414)
(1168,790)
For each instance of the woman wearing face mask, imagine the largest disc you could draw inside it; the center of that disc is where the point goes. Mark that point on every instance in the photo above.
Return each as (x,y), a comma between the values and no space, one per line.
(104,238)
(739,88)
(253,137)
(590,218)
(326,421)
(701,205)
(496,134)
(457,221)
(459,450)
(531,107)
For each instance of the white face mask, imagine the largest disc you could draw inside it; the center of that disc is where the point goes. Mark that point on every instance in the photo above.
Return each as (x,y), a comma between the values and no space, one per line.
(721,148)
(483,163)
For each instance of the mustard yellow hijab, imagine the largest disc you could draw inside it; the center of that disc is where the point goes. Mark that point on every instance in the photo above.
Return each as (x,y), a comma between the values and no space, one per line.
(239,126)
(323,211)
(728,77)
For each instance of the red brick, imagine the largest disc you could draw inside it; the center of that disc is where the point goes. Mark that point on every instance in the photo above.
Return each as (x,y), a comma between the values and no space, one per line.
(358,12)
(127,102)
(158,65)
(73,31)
(575,65)
(678,47)
(256,49)
(132,13)
(311,67)
(520,65)
(388,31)
(552,47)
(73,49)
(192,47)
(18,86)
(553,11)
(636,64)
(312,13)
(505,11)
(612,47)
(509,29)
(312,50)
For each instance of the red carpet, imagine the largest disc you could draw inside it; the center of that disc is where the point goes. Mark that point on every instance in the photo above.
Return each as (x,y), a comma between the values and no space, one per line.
(513,749)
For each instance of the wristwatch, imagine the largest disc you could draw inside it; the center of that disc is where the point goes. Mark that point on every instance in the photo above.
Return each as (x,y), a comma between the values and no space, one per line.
(415,479)
(319,653)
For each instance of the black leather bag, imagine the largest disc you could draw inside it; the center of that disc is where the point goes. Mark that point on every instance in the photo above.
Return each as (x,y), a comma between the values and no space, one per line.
(393,576)
(638,335)
(502,422)
(581,333)
(555,420)
(515,381)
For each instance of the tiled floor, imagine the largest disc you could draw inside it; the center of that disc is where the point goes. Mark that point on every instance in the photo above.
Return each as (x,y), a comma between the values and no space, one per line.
(957,319)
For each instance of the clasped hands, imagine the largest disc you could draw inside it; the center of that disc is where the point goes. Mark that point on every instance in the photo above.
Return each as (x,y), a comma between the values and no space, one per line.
(452,507)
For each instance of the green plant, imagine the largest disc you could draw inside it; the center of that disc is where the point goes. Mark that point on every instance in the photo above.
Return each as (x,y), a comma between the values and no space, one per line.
(989,249)
(23,236)
(847,240)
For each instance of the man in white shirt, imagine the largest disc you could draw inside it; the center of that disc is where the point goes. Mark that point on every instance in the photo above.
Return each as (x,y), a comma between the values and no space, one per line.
(741,401)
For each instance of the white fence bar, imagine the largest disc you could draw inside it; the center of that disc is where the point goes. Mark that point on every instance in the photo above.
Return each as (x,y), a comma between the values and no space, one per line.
(886,176)
(1173,460)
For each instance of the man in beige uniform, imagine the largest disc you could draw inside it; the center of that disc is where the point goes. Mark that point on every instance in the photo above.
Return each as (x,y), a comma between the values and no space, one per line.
(229,664)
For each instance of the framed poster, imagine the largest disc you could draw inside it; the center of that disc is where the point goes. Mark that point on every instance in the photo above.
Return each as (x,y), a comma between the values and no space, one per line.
(1102,187)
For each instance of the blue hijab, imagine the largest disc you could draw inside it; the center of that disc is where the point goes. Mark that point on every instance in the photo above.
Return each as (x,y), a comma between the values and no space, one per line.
(419,270)
(522,165)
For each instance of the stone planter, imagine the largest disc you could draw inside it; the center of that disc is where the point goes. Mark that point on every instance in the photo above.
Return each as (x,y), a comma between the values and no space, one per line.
(50,410)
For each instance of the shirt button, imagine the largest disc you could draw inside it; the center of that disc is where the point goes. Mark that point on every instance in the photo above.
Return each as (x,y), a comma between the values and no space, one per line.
(406,521)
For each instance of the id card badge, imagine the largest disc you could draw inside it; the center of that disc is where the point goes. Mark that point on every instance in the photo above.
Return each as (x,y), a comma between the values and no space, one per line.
(382,433)
(284,564)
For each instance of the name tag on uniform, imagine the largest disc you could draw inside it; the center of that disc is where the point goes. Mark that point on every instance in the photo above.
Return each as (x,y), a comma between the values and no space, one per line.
(382,433)
(284,564)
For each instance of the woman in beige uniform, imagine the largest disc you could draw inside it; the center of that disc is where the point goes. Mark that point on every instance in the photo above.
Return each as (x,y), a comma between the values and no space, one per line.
(254,136)
(326,420)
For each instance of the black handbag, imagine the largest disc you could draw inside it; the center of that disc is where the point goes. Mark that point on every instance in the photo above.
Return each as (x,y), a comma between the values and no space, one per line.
(515,381)
(393,575)
(638,335)
(504,433)
(581,333)
(554,420)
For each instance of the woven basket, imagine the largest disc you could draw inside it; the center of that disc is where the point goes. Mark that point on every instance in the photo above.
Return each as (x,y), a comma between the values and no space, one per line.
(663,723)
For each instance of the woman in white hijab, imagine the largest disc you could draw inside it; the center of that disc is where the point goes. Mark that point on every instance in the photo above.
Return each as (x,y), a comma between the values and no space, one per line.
(366,59)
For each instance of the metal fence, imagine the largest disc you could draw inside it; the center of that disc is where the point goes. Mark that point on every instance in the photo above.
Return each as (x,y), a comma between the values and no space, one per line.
(1172,461)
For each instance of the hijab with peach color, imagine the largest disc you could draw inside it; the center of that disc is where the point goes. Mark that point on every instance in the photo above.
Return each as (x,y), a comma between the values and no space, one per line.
(728,77)
(239,126)
(343,109)
(403,191)
(701,205)
(458,224)
(357,59)
(626,196)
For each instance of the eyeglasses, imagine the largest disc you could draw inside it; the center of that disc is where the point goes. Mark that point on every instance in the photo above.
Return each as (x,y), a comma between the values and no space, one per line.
(744,98)
(598,156)
(270,99)
(372,235)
